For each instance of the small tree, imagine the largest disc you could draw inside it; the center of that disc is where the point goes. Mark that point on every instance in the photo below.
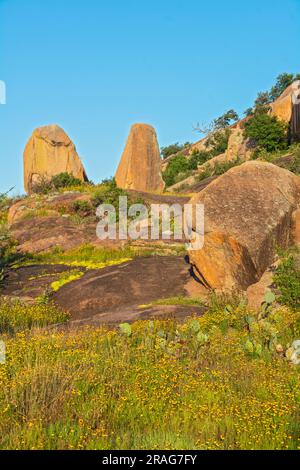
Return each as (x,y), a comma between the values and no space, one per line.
(262,102)
(65,180)
(217,142)
(62,180)
(218,132)
(283,81)
(226,120)
(178,164)
(249,112)
(173,149)
(267,132)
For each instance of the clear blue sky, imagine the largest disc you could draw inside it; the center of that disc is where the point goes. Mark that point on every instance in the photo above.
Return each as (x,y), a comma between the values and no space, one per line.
(97,66)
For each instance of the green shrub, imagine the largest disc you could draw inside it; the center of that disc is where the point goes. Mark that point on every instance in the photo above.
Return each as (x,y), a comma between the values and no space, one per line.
(199,158)
(173,149)
(218,142)
(82,208)
(266,132)
(295,164)
(65,180)
(178,164)
(7,245)
(59,181)
(287,279)
(180,167)
(43,186)
(108,193)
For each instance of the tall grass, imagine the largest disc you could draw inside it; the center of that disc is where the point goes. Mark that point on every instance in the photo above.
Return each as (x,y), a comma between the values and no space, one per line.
(15,316)
(156,385)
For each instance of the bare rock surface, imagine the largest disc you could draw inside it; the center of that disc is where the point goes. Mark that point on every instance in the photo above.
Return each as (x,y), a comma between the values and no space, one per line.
(111,291)
(248,213)
(49,152)
(112,295)
(140,165)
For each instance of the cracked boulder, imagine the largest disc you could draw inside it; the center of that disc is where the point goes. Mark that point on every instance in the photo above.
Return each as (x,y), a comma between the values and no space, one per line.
(248,215)
(49,152)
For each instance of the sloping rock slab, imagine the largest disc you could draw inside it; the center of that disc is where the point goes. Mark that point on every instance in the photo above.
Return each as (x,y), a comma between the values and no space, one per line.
(118,289)
(43,234)
(32,281)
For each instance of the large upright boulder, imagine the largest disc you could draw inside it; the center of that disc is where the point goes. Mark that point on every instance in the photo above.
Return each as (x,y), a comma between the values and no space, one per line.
(140,165)
(248,214)
(287,109)
(49,152)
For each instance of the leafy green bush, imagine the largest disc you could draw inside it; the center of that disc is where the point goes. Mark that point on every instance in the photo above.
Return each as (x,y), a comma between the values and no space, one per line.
(198,158)
(7,245)
(59,181)
(225,120)
(173,149)
(65,180)
(82,208)
(263,100)
(218,132)
(42,186)
(295,163)
(177,165)
(287,279)
(181,167)
(108,193)
(218,142)
(266,132)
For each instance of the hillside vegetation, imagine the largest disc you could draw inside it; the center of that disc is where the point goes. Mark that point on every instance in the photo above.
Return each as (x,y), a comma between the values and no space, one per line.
(211,383)
(267,134)
(220,381)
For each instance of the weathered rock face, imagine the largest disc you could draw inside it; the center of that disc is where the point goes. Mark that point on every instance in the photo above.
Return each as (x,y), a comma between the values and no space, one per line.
(296,228)
(282,108)
(53,204)
(238,146)
(49,152)
(287,109)
(140,165)
(256,292)
(248,213)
